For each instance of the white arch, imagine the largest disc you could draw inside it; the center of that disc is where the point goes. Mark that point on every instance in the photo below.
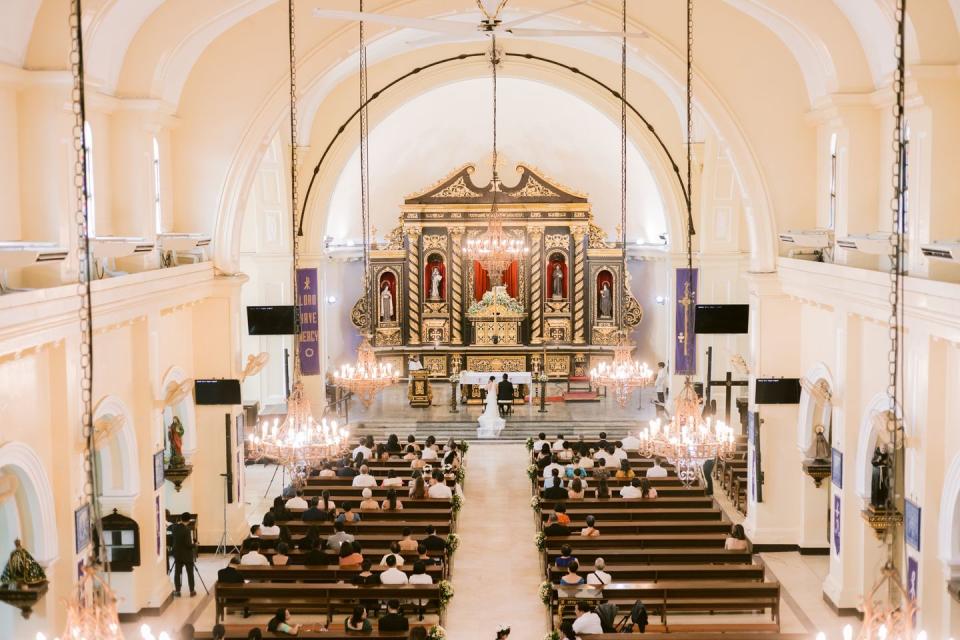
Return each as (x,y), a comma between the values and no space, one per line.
(867,442)
(808,404)
(948,527)
(43,521)
(185,409)
(126,447)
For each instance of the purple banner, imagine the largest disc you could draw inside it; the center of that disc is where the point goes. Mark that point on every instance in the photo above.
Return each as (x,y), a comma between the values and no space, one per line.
(308,341)
(836,523)
(686,347)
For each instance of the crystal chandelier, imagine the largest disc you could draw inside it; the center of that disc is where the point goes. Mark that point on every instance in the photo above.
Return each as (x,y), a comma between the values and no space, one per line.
(368,377)
(494,249)
(623,375)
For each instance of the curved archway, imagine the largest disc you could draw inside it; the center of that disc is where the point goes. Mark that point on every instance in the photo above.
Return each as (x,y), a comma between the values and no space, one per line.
(814,410)
(185,409)
(36,521)
(948,527)
(117,462)
(867,442)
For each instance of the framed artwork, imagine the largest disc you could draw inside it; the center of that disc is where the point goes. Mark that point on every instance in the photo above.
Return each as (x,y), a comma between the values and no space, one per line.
(160,531)
(836,524)
(911,524)
(836,468)
(82,527)
(913,580)
(158,475)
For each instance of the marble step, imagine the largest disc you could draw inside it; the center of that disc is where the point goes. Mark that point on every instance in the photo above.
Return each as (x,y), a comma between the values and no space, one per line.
(516,430)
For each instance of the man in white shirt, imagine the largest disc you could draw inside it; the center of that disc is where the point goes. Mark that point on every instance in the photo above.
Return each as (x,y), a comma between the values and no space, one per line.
(660,384)
(612,462)
(548,470)
(429,453)
(392,575)
(364,479)
(619,453)
(438,488)
(656,471)
(558,443)
(253,556)
(364,449)
(632,490)
(297,501)
(631,442)
(587,621)
(599,576)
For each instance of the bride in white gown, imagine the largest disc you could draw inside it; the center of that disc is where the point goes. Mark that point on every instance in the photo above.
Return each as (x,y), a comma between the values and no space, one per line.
(491,424)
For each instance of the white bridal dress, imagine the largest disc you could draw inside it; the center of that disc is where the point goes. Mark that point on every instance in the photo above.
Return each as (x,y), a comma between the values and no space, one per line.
(491,424)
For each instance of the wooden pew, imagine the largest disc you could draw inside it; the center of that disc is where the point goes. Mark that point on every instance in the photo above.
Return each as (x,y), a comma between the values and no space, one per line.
(240,631)
(677,502)
(635,541)
(658,572)
(579,511)
(322,573)
(667,555)
(438,513)
(751,632)
(659,527)
(370,527)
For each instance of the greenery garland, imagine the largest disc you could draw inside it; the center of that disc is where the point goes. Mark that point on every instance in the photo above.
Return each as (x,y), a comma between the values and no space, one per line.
(530,444)
(437,633)
(533,472)
(460,475)
(446,593)
(456,503)
(537,503)
(541,541)
(546,592)
(452,544)
(464,446)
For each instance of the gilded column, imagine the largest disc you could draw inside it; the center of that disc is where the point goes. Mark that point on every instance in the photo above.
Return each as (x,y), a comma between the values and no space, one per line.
(579,293)
(413,281)
(536,285)
(456,291)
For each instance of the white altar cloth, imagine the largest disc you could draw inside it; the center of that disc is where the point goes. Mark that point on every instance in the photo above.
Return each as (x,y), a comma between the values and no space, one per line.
(481,377)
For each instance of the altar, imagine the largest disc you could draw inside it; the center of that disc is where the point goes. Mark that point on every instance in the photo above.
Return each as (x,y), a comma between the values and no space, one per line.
(558,308)
(472,384)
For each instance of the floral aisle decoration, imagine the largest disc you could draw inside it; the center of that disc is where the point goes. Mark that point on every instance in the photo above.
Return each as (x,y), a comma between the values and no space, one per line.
(456,503)
(537,503)
(453,543)
(529,444)
(546,593)
(541,541)
(553,635)
(533,472)
(460,474)
(446,593)
(464,446)
(436,633)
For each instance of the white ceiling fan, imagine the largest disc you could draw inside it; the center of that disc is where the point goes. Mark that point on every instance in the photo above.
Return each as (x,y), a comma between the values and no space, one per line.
(491,24)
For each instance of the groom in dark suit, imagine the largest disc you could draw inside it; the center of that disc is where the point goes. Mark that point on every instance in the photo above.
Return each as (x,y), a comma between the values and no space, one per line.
(504,395)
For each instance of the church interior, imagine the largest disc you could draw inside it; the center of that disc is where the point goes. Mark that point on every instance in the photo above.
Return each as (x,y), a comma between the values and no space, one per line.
(479,319)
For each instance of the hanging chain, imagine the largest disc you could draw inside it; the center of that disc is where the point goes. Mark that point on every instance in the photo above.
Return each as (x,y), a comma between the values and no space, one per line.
(294,198)
(91,487)
(365,176)
(494,61)
(623,146)
(690,229)
(898,209)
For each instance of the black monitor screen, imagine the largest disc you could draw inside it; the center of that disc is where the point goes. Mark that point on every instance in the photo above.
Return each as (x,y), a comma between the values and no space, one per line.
(778,391)
(217,391)
(270,321)
(721,318)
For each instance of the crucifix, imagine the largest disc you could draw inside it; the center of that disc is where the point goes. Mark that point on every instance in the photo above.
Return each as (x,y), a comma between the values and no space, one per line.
(686,301)
(728,382)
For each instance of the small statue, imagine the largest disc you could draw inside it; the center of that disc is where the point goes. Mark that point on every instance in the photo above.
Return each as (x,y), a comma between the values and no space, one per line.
(175,433)
(21,568)
(821,446)
(386,304)
(435,279)
(880,485)
(557,281)
(606,301)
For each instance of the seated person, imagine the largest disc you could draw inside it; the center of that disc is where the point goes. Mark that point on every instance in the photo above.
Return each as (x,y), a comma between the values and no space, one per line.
(314,514)
(646,491)
(395,552)
(418,462)
(554,528)
(364,479)
(571,577)
(586,460)
(327,471)
(350,555)
(297,502)
(590,531)
(438,487)
(269,526)
(554,478)
(560,510)
(253,555)
(565,558)
(392,480)
(556,491)
(550,467)
(392,503)
(737,540)
(280,623)
(393,620)
(358,621)
(393,443)
(418,487)
(618,451)
(407,543)
(433,542)
(630,443)
(576,490)
(420,575)
(424,556)
(625,472)
(656,471)
(603,490)
(338,536)
(349,516)
(587,620)
(599,576)
(633,491)
(281,557)
(315,555)
(610,457)
(368,503)
(392,575)
(411,453)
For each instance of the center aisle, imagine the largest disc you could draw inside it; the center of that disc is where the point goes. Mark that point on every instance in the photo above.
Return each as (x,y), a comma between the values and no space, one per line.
(496,569)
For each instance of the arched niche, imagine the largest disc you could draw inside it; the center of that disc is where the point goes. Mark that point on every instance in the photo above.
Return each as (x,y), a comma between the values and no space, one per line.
(816,407)
(948,527)
(185,410)
(872,433)
(28,514)
(605,282)
(117,464)
(557,260)
(436,261)
(388,281)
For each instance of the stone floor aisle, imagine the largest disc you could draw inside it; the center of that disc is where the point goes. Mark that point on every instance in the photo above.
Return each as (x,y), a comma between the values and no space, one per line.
(496,571)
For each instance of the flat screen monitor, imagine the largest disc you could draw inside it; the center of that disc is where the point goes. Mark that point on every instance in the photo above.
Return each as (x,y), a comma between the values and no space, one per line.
(721,318)
(271,321)
(209,392)
(778,391)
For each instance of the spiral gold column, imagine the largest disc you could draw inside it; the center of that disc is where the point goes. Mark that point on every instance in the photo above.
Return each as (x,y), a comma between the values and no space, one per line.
(579,294)
(413,279)
(536,285)
(456,291)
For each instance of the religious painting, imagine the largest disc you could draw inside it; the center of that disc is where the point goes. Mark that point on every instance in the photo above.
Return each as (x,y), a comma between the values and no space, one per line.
(158,475)
(911,524)
(160,531)
(836,468)
(435,278)
(387,297)
(556,280)
(604,295)
(82,527)
(913,580)
(836,523)
(686,300)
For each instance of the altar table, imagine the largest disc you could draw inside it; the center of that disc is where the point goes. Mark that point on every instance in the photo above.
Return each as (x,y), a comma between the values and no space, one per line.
(476,380)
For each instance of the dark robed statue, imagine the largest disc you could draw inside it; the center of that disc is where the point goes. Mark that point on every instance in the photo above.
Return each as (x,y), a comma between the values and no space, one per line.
(822,447)
(606,301)
(22,568)
(557,276)
(880,484)
(175,433)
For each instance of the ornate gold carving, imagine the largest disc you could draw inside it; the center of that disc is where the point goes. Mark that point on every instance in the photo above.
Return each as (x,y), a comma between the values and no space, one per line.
(436,330)
(558,329)
(496,363)
(393,240)
(505,332)
(550,180)
(536,286)
(534,188)
(436,365)
(598,239)
(558,365)
(457,189)
(603,334)
(561,307)
(556,241)
(413,283)
(579,364)
(435,242)
(456,291)
(578,290)
(435,309)
(360,314)
(398,362)
(388,337)
(632,312)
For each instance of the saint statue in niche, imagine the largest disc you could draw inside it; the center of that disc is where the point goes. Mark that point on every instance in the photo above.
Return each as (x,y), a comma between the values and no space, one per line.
(435,279)
(880,482)
(21,568)
(557,276)
(822,447)
(386,303)
(606,301)
(175,433)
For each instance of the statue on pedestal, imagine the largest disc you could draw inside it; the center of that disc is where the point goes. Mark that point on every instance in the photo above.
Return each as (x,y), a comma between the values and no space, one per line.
(435,279)
(386,304)
(821,446)
(21,568)
(606,301)
(557,276)
(175,433)
(880,484)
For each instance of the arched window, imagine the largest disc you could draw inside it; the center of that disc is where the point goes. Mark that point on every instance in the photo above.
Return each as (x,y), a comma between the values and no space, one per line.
(88,185)
(157,209)
(833,179)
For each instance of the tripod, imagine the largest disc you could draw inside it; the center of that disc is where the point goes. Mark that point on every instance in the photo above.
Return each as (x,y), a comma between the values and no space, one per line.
(222,548)
(195,571)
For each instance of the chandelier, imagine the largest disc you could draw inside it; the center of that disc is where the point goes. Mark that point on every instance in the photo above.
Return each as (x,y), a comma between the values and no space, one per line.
(623,375)
(494,249)
(368,377)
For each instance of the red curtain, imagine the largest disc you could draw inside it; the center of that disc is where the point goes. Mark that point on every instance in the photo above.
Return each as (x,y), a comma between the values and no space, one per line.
(481,281)
(604,277)
(434,261)
(387,278)
(556,259)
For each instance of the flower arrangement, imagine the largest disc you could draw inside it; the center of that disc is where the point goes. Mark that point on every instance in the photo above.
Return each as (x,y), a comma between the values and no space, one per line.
(530,444)
(498,296)
(537,503)
(541,541)
(456,503)
(460,475)
(553,635)
(546,592)
(446,593)
(436,633)
(532,472)
(464,446)
(453,543)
